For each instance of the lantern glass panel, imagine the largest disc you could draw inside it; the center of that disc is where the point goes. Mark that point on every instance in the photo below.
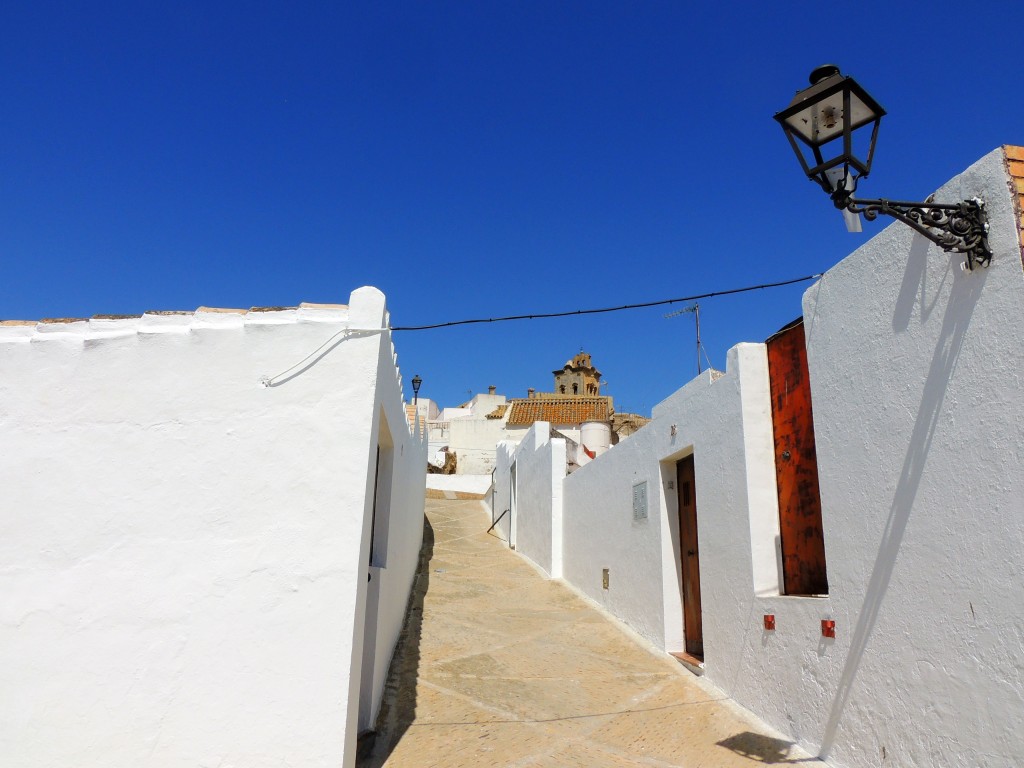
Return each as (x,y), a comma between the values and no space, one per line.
(822,120)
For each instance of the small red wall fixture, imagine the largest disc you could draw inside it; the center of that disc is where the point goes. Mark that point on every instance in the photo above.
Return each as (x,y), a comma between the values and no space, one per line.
(769,622)
(828,628)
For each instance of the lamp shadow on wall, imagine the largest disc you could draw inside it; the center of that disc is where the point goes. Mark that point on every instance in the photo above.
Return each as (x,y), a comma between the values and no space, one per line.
(398,706)
(914,288)
(963,297)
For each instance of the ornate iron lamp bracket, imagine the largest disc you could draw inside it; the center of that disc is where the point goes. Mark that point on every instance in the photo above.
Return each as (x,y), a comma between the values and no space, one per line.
(956,227)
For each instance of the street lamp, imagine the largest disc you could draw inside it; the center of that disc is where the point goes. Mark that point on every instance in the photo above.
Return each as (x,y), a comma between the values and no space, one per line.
(417,382)
(821,123)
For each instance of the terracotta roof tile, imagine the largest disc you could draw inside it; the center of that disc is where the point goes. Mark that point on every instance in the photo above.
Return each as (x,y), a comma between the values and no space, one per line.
(498,412)
(1015,166)
(567,410)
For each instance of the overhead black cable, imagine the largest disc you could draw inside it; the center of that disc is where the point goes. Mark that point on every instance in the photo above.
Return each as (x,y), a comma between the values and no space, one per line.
(606,309)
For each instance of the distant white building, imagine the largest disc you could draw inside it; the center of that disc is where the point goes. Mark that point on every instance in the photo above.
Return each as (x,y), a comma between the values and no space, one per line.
(470,432)
(426,409)
(575,409)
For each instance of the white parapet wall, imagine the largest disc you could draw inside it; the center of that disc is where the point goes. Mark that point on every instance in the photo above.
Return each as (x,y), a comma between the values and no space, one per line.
(918,414)
(186,516)
(459,486)
(526,496)
(500,500)
(538,466)
(472,440)
(639,548)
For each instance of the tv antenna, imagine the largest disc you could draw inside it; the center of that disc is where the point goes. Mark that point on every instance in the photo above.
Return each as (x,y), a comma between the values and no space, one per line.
(694,309)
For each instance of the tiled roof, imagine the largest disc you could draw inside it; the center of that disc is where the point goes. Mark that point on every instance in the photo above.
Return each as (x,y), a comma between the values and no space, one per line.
(498,412)
(1015,165)
(567,410)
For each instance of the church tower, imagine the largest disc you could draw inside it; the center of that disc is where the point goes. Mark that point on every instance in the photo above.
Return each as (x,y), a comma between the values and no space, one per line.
(578,377)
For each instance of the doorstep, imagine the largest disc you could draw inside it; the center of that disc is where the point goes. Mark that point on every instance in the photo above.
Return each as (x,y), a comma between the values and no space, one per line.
(689,661)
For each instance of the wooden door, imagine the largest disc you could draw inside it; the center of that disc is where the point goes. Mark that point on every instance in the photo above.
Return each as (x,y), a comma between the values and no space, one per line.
(796,464)
(690,555)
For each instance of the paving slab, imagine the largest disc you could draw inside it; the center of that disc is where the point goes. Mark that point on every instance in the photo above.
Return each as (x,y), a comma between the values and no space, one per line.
(498,666)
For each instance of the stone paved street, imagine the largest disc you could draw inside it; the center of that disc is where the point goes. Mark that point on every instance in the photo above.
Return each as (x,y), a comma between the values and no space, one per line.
(498,666)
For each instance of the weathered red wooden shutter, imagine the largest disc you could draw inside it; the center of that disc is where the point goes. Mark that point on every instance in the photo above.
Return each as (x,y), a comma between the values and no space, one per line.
(796,464)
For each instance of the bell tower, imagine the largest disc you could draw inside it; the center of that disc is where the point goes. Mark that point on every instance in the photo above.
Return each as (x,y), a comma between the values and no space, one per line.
(578,377)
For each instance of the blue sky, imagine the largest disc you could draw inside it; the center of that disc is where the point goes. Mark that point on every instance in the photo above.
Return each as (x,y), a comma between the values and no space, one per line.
(470,160)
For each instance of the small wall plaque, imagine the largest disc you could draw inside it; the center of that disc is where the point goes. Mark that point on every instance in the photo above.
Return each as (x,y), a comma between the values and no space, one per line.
(640,501)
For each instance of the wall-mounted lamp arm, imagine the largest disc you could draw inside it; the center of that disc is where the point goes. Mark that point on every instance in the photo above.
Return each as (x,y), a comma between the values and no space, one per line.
(956,227)
(834,107)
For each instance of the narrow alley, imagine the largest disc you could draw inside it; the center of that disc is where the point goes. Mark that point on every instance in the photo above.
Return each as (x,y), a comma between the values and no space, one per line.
(498,666)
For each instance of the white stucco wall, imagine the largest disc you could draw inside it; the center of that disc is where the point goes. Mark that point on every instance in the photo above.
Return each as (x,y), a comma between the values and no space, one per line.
(438,436)
(398,535)
(500,500)
(516,433)
(540,466)
(426,408)
(447,414)
(473,441)
(471,436)
(453,484)
(481,405)
(642,555)
(184,550)
(919,419)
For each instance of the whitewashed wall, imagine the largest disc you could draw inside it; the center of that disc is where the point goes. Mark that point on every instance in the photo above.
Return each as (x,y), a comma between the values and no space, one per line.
(642,555)
(468,434)
(500,500)
(473,442)
(517,432)
(426,408)
(183,551)
(481,405)
(539,469)
(397,535)
(919,418)
(447,414)
(460,486)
